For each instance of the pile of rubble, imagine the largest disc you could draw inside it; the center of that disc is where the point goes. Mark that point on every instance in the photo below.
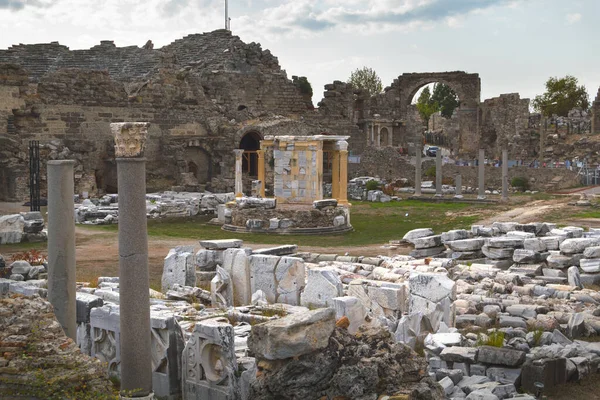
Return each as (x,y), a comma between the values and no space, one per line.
(105,210)
(23,227)
(500,309)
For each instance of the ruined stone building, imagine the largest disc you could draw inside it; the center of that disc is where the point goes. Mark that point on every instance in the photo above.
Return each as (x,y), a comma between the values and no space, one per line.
(204,96)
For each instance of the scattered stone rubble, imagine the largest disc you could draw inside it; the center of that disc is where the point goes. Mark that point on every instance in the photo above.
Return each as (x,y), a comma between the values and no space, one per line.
(105,210)
(23,227)
(495,310)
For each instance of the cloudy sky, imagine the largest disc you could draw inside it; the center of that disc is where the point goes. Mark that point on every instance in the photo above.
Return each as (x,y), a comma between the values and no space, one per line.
(514,45)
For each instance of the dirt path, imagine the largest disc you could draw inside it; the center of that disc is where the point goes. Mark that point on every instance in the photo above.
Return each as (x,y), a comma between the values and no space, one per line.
(531,212)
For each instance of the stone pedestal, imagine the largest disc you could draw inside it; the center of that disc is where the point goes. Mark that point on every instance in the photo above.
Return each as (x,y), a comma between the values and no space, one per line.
(438,173)
(481,183)
(504,175)
(417,170)
(136,359)
(61,245)
(458,187)
(239,186)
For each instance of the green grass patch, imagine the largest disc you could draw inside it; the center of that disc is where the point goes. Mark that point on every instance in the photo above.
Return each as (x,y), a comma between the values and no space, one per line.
(587,214)
(374,223)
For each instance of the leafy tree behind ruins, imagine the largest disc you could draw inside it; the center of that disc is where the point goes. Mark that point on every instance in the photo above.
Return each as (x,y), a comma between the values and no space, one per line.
(561,96)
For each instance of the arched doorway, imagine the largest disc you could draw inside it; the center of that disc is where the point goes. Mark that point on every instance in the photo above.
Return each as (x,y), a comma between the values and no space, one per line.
(193,168)
(198,162)
(384,137)
(250,143)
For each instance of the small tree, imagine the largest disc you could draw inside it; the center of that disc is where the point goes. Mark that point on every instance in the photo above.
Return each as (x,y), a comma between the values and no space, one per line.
(446,99)
(366,78)
(561,96)
(425,105)
(303,84)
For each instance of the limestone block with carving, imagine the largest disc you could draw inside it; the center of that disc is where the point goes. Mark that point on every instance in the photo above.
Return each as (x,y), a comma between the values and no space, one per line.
(322,286)
(290,278)
(207,260)
(433,294)
(166,346)
(262,275)
(209,363)
(235,262)
(221,290)
(352,308)
(179,268)
(388,299)
(130,138)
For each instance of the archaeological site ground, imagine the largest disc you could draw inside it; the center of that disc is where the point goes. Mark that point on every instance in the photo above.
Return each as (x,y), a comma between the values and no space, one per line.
(184,223)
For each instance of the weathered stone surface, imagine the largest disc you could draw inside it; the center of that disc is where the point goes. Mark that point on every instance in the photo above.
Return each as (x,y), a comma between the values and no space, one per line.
(294,335)
(179,268)
(466,244)
(505,241)
(432,251)
(500,356)
(320,204)
(590,265)
(504,375)
(221,244)
(576,326)
(32,337)
(534,244)
(322,286)
(352,308)
(284,250)
(592,252)
(256,202)
(459,354)
(417,233)
(498,252)
(427,241)
(456,234)
(574,278)
(526,256)
(11,228)
(578,245)
(374,372)
(20,267)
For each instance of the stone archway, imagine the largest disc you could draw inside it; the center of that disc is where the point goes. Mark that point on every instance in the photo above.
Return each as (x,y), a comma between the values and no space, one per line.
(250,142)
(468,89)
(198,162)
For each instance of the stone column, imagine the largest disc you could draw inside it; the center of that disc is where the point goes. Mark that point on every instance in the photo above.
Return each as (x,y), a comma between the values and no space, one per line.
(343,154)
(378,136)
(458,187)
(261,171)
(481,184)
(239,185)
(418,171)
(61,245)
(504,175)
(335,175)
(438,173)
(136,358)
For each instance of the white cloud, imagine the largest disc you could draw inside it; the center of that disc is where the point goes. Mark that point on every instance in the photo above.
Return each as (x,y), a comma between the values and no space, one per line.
(572,18)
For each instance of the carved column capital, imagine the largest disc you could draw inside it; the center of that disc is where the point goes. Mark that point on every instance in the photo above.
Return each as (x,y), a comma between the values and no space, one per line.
(130,138)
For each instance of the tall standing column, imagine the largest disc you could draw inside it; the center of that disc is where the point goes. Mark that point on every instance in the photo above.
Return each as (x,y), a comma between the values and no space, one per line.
(261,171)
(61,245)
(239,186)
(438,173)
(504,175)
(417,170)
(458,187)
(335,175)
(378,136)
(481,192)
(136,358)
(343,154)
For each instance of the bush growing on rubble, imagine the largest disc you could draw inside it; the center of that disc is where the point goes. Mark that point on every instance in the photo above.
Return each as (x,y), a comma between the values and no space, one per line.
(372,185)
(520,183)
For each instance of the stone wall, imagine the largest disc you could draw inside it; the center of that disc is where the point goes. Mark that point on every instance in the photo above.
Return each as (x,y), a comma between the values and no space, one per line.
(199,94)
(596,114)
(539,178)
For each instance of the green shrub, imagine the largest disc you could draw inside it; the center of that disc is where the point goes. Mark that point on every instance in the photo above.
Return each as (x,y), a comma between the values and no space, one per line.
(520,182)
(494,339)
(372,185)
(430,172)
